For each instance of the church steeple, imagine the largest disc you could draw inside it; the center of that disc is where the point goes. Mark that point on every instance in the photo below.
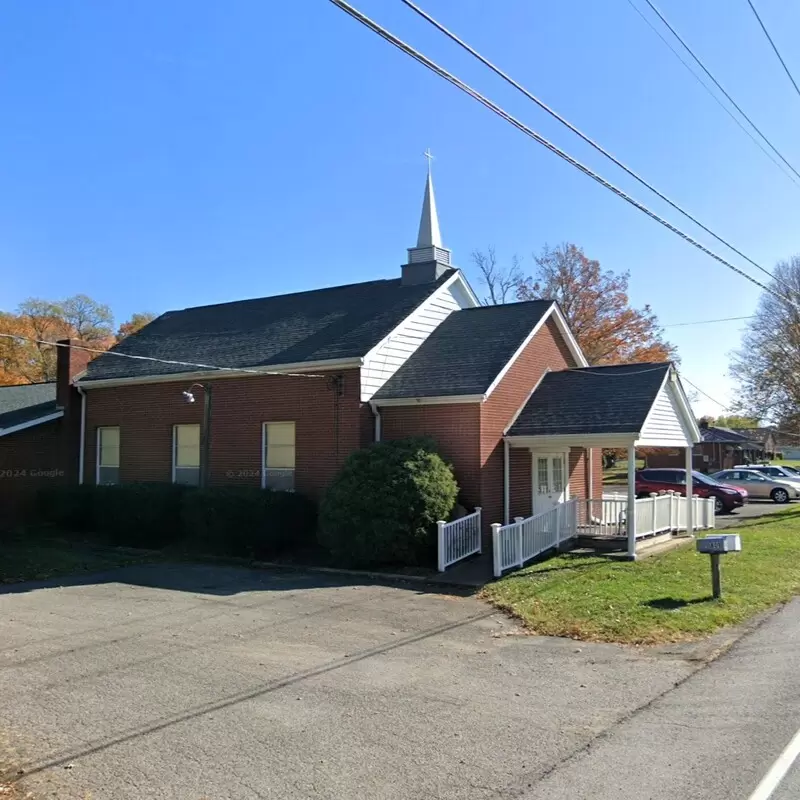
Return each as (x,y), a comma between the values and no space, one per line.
(429,259)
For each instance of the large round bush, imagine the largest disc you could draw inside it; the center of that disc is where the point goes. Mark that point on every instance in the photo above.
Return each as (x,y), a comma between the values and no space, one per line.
(383,506)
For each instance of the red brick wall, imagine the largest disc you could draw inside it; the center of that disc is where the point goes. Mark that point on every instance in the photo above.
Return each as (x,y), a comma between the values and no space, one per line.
(456,430)
(520,487)
(546,349)
(29,460)
(146,413)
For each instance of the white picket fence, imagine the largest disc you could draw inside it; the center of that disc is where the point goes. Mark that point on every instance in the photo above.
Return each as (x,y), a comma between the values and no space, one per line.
(654,514)
(526,538)
(458,539)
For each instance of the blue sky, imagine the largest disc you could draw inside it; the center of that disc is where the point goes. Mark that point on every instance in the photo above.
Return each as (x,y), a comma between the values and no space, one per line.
(161,155)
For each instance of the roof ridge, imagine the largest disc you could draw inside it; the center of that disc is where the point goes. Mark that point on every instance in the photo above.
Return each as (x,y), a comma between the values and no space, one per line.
(508,305)
(296,294)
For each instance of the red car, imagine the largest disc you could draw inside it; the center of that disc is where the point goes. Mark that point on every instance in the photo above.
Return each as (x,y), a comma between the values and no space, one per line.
(726,498)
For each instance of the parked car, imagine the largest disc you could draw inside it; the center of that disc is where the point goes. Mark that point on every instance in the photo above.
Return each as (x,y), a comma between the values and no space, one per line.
(775,471)
(759,485)
(726,498)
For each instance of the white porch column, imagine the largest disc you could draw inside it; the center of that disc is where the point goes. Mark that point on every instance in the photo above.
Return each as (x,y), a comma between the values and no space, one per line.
(689,492)
(630,517)
(506,482)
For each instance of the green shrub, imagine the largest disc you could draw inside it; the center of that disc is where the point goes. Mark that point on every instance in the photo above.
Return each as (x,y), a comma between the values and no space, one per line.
(247,521)
(139,514)
(383,506)
(69,507)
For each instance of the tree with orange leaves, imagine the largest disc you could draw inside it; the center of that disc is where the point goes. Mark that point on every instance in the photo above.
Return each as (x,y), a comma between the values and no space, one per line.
(28,358)
(596,305)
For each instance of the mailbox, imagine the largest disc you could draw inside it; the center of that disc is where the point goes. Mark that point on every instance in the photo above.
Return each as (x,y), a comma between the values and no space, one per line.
(722,543)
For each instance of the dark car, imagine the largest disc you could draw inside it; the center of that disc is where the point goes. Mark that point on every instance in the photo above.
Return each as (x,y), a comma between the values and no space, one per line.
(726,498)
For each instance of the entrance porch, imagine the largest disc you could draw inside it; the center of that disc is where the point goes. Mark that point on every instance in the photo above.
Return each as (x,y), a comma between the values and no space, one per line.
(567,420)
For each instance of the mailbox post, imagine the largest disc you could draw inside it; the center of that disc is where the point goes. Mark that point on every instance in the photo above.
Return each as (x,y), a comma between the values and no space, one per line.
(716,546)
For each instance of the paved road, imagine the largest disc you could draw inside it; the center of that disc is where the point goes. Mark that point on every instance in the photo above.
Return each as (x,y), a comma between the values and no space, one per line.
(203,682)
(713,738)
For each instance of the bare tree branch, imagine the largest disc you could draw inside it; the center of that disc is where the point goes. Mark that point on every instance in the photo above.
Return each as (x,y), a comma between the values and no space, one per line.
(500,282)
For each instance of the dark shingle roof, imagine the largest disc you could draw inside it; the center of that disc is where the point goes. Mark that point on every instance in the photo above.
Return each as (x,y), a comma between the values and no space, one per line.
(20,404)
(466,352)
(333,323)
(614,399)
(723,435)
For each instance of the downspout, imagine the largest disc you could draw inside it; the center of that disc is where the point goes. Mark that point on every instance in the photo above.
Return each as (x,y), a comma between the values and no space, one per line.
(82,445)
(506,483)
(377,414)
(590,481)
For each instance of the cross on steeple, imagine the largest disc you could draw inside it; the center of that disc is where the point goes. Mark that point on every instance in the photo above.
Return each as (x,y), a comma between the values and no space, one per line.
(429,156)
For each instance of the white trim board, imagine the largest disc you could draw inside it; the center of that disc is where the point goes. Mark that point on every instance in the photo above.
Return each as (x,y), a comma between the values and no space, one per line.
(211,374)
(428,401)
(31,423)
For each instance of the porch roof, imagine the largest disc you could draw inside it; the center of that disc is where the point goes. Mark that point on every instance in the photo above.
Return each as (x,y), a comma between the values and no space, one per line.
(608,406)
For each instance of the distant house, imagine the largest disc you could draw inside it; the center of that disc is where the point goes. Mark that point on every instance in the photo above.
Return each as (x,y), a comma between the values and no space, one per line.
(763,437)
(39,434)
(719,448)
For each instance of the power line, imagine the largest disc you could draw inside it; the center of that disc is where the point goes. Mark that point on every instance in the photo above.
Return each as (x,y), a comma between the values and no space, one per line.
(708,396)
(443,73)
(727,408)
(160,360)
(777,53)
(706,321)
(719,85)
(519,87)
(711,94)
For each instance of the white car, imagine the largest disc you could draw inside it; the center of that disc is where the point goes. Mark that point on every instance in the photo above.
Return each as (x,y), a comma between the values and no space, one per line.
(775,472)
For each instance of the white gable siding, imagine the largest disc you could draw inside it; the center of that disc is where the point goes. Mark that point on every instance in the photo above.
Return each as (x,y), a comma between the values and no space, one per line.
(663,426)
(381,363)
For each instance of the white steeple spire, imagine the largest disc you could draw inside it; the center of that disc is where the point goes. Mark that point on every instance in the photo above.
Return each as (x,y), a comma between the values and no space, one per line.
(429,233)
(429,250)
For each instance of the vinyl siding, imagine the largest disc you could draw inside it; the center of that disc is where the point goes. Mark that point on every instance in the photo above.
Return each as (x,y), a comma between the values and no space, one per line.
(387,358)
(663,424)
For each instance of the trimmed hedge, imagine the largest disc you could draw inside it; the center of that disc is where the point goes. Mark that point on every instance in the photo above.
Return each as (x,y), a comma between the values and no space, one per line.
(246,521)
(241,521)
(139,514)
(383,506)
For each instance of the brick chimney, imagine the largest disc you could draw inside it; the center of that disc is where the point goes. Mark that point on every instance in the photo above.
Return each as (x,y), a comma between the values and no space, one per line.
(69,362)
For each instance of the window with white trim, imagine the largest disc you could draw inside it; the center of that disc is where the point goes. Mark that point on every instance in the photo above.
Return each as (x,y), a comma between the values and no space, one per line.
(186,454)
(278,456)
(107,455)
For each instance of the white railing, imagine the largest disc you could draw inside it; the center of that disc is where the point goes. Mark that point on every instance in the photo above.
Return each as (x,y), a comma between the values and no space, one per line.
(667,512)
(526,538)
(458,539)
(654,514)
(602,517)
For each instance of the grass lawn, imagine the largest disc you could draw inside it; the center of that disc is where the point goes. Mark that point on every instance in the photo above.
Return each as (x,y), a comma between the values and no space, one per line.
(33,557)
(619,472)
(664,598)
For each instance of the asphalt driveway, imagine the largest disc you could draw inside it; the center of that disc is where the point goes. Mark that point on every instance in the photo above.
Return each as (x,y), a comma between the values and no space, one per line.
(198,682)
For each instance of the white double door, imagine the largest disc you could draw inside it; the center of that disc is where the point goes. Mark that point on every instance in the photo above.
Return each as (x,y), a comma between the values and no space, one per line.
(549,481)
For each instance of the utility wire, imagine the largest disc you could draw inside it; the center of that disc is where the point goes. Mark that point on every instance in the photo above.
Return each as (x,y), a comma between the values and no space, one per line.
(443,73)
(777,53)
(160,360)
(727,408)
(713,96)
(519,87)
(719,85)
(705,321)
